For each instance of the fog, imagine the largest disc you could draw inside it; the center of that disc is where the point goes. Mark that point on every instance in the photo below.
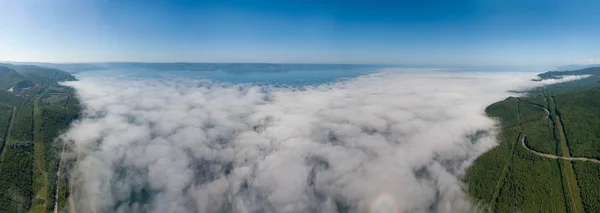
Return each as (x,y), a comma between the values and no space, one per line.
(564,78)
(386,142)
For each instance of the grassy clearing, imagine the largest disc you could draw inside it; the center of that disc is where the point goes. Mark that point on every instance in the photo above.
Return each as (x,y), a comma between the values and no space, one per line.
(41,180)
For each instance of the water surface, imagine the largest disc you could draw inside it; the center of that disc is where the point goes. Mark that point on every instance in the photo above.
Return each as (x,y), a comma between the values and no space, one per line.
(289,78)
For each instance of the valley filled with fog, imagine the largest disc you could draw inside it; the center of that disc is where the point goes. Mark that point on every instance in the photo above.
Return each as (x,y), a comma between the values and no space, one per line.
(384,141)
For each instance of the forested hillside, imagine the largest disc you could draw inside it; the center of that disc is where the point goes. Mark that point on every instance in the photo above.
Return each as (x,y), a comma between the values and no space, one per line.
(34,109)
(548,157)
(9,77)
(572,86)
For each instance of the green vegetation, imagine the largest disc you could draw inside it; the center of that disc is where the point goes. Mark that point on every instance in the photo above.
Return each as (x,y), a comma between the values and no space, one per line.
(15,177)
(9,77)
(540,136)
(572,86)
(40,75)
(32,115)
(9,99)
(570,187)
(588,178)
(22,126)
(526,193)
(506,178)
(581,119)
(22,85)
(559,121)
(5,116)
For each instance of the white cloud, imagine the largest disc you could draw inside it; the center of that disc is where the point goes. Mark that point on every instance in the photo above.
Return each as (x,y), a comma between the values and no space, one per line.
(394,139)
(562,79)
(587,61)
(592,61)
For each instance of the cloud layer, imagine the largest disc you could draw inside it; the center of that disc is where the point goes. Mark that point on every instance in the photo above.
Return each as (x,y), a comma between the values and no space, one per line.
(393,140)
(562,79)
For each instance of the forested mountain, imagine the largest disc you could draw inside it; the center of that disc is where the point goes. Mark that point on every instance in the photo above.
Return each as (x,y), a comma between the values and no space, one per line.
(548,157)
(40,75)
(9,77)
(34,109)
(572,86)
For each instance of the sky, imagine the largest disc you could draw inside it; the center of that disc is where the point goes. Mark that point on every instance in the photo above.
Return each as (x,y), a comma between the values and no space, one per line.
(428,32)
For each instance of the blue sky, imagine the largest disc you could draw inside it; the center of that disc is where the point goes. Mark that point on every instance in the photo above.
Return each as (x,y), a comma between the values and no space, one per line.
(425,32)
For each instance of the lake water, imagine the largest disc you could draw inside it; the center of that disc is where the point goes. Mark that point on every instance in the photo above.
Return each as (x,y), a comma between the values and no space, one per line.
(290,78)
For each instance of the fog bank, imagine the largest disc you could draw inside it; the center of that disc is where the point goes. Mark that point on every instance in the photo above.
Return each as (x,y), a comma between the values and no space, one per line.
(387,142)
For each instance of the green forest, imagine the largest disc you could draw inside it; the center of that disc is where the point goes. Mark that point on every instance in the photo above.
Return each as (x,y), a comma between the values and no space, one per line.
(34,110)
(545,140)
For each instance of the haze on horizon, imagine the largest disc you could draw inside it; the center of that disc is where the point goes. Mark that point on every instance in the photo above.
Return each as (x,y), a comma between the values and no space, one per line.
(534,33)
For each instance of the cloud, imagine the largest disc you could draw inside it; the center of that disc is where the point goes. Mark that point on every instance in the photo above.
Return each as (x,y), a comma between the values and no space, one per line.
(585,61)
(561,79)
(389,140)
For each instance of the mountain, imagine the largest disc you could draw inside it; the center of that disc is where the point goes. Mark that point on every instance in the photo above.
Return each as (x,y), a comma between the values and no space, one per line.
(590,82)
(40,75)
(34,110)
(548,153)
(9,77)
(576,67)
(21,86)
(68,67)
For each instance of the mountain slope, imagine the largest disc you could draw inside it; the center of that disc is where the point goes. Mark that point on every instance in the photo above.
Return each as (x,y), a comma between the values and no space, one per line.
(557,120)
(32,114)
(9,77)
(572,86)
(40,75)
